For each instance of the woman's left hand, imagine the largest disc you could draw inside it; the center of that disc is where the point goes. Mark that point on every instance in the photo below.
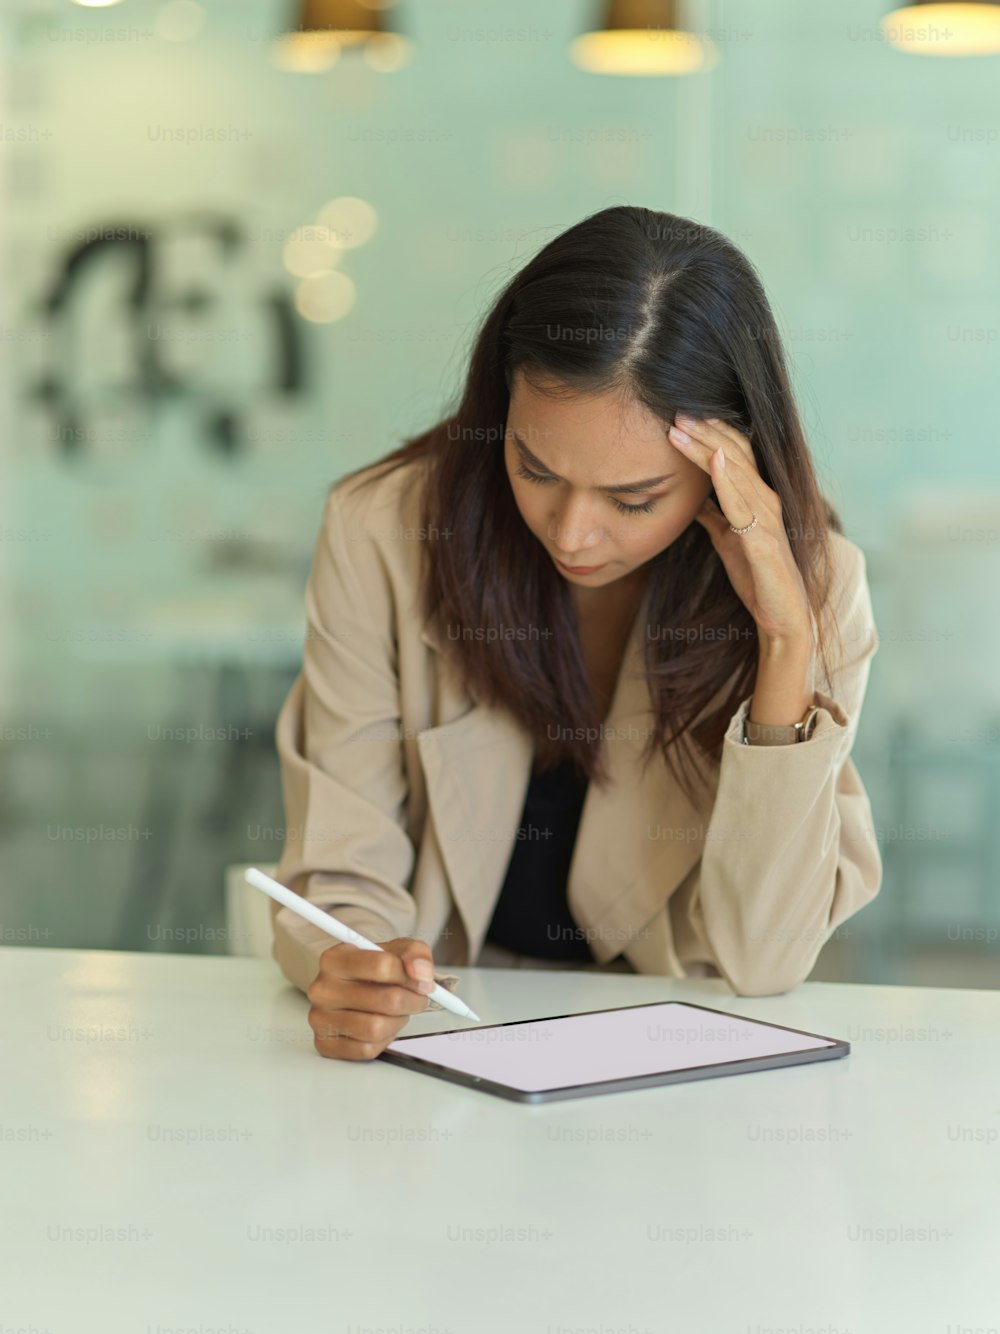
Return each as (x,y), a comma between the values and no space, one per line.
(760,564)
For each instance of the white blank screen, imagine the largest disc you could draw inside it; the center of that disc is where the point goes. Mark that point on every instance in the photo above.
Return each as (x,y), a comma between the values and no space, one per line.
(613,1044)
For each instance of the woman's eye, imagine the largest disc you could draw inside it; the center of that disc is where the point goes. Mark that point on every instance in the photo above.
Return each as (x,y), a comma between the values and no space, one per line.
(522,471)
(646,507)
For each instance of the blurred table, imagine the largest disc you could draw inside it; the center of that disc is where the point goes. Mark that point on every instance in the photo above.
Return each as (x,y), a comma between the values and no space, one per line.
(177,1156)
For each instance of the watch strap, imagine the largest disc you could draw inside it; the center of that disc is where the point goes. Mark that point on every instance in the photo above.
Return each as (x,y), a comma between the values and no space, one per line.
(775,734)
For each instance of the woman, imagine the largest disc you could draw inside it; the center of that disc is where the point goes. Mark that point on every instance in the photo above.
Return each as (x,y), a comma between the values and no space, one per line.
(585,660)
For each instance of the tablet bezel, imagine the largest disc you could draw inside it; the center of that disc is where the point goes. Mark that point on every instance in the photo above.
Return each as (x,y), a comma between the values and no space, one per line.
(837,1049)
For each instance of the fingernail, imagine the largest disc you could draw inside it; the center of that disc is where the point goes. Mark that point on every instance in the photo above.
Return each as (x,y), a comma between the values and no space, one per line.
(685,420)
(679,435)
(423,968)
(425,986)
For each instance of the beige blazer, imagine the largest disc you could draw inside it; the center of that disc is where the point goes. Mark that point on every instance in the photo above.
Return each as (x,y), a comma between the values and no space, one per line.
(403,797)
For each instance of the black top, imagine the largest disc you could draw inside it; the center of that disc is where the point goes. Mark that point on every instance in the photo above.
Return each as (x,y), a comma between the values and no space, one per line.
(532,915)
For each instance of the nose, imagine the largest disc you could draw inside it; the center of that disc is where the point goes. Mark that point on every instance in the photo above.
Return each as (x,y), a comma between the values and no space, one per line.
(576,538)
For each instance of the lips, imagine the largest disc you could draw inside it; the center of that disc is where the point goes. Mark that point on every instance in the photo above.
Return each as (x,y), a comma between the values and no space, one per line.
(580,569)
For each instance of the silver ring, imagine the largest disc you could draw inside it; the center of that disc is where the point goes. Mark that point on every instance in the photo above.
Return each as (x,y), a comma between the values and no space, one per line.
(741,531)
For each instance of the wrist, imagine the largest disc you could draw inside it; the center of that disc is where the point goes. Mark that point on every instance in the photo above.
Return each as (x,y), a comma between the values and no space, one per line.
(784,685)
(799,643)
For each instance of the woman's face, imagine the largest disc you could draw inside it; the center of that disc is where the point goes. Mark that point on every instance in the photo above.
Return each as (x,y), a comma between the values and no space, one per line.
(585,450)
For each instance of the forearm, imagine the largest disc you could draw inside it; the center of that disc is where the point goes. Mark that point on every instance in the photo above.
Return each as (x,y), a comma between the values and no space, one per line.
(785,682)
(799,853)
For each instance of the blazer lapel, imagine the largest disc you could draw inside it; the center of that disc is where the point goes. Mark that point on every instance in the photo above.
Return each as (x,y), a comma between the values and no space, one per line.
(476,768)
(637,838)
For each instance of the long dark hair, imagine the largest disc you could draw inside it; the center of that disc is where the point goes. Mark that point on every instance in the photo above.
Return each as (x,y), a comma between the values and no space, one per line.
(673,314)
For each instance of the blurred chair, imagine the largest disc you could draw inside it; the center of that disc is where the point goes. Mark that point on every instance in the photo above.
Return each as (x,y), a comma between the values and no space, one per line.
(943,849)
(248,912)
(230,658)
(943,636)
(940,646)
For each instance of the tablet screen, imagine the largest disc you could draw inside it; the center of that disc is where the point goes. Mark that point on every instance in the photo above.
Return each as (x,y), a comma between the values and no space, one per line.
(605,1045)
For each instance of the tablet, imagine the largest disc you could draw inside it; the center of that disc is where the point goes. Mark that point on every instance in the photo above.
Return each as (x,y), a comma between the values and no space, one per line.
(608,1051)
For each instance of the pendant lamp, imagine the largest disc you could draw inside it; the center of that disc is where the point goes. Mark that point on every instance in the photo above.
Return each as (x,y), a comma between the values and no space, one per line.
(643,37)
(326,28)
(945,28)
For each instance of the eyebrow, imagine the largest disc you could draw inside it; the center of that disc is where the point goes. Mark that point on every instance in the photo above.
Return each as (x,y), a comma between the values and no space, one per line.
(630,488)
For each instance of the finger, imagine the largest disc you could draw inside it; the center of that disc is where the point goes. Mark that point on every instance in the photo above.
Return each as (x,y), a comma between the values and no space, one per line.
(734,436)
(699,445)
(749,480)
(337,1025)
(370,997)
(418,961)
(715,433)
(354,964)
(347,1048)
(734,506)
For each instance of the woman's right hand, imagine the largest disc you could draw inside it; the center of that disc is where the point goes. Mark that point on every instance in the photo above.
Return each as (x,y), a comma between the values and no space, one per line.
(362,998)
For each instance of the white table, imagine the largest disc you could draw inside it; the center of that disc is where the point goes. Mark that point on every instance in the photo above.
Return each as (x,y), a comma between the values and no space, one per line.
(176,1156)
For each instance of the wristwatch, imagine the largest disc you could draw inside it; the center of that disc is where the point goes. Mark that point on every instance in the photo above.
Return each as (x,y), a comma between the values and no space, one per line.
(774,734)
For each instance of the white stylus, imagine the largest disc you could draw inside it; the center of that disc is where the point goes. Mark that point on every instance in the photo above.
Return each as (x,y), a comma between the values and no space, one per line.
(288,899)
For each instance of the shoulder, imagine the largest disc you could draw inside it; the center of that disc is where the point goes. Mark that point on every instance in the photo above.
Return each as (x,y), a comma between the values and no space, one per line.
(848,615)
(849,592)
(377,495)
(372,529)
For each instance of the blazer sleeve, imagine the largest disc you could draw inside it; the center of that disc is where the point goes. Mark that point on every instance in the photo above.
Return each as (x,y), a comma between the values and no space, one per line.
(790,848)
(340,751)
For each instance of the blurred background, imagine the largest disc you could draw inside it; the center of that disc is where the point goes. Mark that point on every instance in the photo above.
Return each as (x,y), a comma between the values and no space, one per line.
(245,247)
